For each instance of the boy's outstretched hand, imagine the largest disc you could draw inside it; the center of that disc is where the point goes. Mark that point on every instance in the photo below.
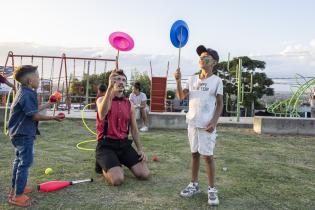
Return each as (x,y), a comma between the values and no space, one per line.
(59,117)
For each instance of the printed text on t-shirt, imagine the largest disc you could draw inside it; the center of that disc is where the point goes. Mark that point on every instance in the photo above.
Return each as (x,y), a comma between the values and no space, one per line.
(203,87)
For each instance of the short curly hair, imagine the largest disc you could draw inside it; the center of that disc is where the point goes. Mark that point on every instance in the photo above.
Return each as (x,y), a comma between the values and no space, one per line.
(120,72)
(22,71)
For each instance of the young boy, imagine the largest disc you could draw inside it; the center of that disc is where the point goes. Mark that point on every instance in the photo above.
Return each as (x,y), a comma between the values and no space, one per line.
(22,130)
(205,92)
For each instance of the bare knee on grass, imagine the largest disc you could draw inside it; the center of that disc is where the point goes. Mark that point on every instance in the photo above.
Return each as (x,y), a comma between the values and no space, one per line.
(114,176)
(141,171)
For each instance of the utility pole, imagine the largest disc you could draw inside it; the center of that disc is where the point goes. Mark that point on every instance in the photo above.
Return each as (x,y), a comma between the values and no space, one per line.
(251,91)
(95,67)
(87,83)
(239,87)
(105,68)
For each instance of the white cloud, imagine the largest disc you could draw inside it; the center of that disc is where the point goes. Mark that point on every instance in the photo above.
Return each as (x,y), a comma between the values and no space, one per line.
(295,50)
(294,59)
(295,56)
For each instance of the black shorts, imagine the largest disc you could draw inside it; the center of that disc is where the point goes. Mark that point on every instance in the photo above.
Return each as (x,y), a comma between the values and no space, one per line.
(110,153)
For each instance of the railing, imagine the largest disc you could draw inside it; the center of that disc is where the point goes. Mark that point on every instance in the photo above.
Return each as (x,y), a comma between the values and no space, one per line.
(175,105)
(172,105)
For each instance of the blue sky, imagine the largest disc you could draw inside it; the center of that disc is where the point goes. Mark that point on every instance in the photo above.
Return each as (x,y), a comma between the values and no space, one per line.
(279,32)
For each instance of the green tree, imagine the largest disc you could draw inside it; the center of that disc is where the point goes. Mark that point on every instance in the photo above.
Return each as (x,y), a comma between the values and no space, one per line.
(78,87)
(261,83)
(144,80)
(171,94)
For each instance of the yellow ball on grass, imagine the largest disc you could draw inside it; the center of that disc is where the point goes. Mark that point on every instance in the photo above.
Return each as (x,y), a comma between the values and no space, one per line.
(48,171)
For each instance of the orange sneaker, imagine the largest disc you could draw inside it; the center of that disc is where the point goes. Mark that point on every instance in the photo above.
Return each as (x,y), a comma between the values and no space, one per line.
(22,200)
(26,190)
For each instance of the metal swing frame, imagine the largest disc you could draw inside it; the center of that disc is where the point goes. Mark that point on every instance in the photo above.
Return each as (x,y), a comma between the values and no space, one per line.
(63,65)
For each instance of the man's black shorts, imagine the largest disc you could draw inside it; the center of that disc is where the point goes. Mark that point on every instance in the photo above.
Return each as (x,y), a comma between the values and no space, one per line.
(110,153)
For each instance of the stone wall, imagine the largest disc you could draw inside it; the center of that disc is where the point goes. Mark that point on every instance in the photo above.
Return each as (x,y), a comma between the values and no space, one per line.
(282,125)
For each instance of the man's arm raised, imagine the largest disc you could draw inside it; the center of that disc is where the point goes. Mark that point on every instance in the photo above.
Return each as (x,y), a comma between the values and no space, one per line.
(104,103)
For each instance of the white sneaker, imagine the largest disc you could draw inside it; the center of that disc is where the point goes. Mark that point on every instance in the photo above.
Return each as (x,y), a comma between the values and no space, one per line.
(190,190)
(213,198)
(144,129)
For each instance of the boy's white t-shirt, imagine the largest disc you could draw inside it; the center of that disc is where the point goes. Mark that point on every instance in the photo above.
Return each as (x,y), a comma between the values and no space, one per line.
(202,99)
(137,99)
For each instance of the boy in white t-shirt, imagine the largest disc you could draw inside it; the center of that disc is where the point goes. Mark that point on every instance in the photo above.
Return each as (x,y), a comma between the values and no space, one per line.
(139,100)
(205,92)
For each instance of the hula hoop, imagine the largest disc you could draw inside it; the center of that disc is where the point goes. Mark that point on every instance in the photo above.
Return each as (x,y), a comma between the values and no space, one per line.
(83,119)
(84,142)
(5,131)
(87,128)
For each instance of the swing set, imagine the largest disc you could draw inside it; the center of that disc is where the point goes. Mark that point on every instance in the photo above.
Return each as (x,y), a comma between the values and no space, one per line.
(47,83)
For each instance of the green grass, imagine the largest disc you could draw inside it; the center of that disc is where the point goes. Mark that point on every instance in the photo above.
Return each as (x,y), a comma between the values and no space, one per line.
(263,171)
